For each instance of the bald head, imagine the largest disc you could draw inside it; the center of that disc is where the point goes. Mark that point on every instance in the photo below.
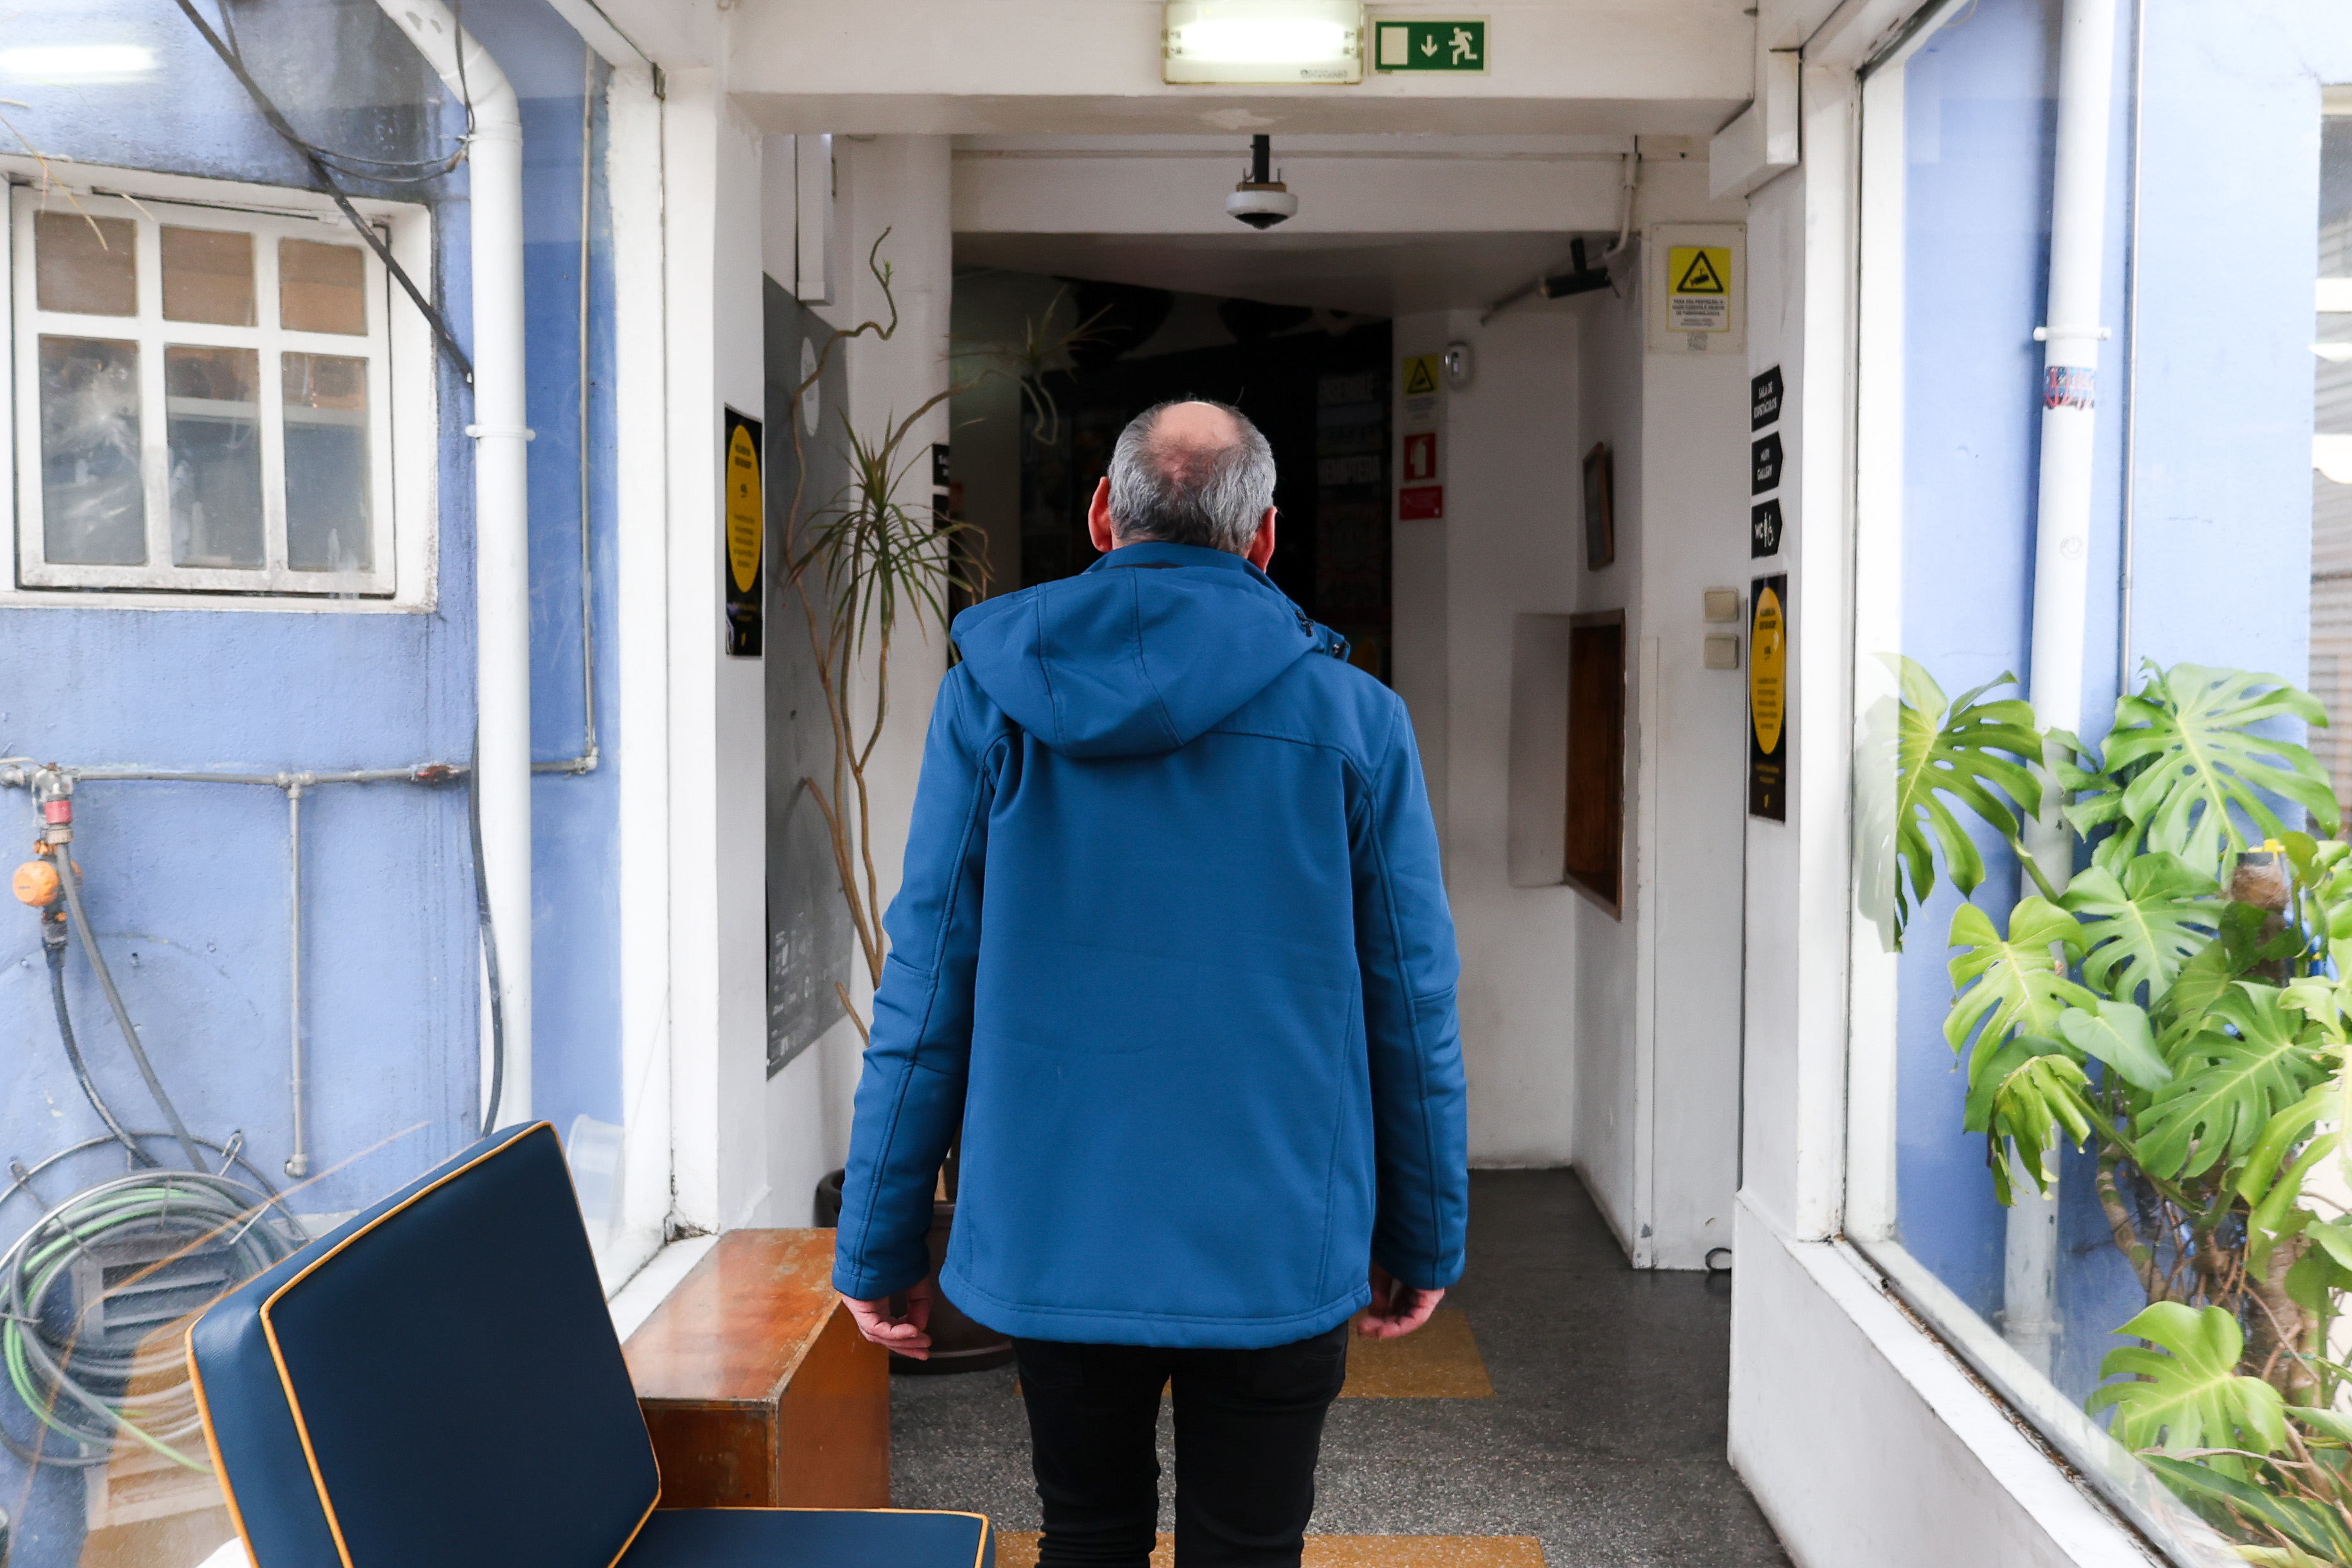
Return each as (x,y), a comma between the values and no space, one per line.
(1191,473)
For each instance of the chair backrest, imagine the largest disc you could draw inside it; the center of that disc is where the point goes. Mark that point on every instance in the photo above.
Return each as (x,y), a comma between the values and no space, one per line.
(436,1381)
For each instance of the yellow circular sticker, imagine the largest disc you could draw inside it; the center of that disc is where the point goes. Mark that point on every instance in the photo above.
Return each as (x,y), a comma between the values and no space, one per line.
(742,510)
(1767,664)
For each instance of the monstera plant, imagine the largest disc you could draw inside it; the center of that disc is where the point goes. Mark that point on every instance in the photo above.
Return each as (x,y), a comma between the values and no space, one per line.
(2182,1007)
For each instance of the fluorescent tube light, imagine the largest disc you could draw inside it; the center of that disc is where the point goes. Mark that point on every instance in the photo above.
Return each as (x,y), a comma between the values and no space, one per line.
(70,64)
(1235,42)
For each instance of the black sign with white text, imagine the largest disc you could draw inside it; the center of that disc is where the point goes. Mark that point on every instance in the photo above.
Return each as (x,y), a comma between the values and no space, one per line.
(1764,398)
(1764,464)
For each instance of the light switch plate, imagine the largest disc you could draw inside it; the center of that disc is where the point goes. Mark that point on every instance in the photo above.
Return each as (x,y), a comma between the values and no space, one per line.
(1722,605)
(1722,651)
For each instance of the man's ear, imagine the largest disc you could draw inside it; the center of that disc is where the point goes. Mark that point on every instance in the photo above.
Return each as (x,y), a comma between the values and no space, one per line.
(1261,547)
(1098,527)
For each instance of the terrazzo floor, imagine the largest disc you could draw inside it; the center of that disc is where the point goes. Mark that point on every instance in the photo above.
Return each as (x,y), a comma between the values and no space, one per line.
(1603,1440)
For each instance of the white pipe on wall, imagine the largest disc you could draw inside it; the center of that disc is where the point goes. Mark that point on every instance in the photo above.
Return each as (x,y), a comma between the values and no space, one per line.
(2061,544)
(501,507)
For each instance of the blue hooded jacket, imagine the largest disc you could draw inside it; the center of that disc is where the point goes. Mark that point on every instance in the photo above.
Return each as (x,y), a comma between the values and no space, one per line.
(1172,949)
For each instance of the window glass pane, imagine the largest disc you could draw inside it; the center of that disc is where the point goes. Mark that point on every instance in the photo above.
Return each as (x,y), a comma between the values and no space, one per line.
(2130,1009)
(327,464)
(1978,113)
(322,287)
(208,276)
(93,509)
(211,400)
(85,265)
(2331,480)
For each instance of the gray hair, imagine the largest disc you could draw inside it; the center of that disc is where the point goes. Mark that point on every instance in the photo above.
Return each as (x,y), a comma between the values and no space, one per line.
(1182,493)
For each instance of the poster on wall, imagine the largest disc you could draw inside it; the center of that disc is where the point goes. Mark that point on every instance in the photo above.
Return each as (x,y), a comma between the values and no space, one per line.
(1768,698)
(746,536)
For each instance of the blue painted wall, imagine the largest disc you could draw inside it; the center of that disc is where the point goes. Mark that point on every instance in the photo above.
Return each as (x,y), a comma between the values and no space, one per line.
(187,883)
(2221,394)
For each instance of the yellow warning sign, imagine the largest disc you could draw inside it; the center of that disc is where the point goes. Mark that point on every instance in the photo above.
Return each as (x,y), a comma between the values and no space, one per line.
(1420,392)
(1767,668)
(1698,289)
(743,509)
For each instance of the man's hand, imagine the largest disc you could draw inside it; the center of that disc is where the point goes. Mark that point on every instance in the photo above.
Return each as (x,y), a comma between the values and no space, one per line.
(1396,1310)
(898,1322)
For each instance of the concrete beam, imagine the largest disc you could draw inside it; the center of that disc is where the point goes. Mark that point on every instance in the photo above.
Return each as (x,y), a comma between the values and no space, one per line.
(1000,192)
(1661,66)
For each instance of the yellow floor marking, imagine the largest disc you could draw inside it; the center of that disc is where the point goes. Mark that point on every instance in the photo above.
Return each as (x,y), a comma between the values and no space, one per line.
(1439,1360)
(1018,1549)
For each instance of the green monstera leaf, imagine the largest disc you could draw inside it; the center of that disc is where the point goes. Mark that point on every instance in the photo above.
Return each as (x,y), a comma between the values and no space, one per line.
(2141,927)
(2184,768)
(2316,1531)
(2031,1093)
(2016,985)
(2211,974)
(1962,749)
(2230,1078)
(2187,1393)
(2118,1034)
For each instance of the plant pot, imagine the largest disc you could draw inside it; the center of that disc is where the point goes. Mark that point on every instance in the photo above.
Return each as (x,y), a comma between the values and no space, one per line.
(958,1344)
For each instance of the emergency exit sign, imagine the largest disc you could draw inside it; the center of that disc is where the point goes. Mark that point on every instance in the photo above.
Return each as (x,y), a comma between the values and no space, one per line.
(1438,44)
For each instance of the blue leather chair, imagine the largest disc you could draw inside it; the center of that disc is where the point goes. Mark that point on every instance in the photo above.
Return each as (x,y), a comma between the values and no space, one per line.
(438,1381)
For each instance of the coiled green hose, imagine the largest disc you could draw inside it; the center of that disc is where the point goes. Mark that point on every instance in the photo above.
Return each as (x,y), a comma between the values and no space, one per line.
(81,1388)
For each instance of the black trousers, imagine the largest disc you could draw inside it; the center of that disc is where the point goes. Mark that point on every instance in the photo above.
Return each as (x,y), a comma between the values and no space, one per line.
(1249,1424)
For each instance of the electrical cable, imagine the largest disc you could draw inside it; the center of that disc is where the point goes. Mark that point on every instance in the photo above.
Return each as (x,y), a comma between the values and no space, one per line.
(490,942)
(57,956)
(428,169)
(71,882)
(62,1366)
(326,184)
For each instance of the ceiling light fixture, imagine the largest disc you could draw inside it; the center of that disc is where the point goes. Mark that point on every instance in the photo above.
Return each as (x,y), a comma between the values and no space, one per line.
(67,65)
(1240,42)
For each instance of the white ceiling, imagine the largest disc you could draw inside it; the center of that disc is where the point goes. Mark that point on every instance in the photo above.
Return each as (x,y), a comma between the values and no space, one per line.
(1371,274)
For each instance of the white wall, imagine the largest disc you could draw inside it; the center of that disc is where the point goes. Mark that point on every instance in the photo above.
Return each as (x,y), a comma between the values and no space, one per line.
(1657,1022)
(1607,957)
(897,183)
(1505,547)
(1866,1443)
(717,729)
(1691,770)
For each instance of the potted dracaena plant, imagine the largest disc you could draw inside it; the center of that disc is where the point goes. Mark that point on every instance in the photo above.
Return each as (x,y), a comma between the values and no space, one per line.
(865,564)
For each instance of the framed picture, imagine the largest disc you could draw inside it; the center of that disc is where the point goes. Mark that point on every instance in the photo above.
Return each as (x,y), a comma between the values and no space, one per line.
(1600,509)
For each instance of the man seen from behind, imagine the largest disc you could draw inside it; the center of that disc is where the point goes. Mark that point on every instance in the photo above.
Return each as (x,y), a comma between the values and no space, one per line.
(1172,952)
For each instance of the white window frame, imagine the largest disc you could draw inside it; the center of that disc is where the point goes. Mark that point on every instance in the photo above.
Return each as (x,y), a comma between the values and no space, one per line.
(1878,179)
(403,414)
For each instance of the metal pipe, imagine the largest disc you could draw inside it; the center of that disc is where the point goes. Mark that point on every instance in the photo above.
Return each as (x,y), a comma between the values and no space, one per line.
(297,1164)
(587,760)
(501,501)
(2062,547)
(16,775)
(2127,545)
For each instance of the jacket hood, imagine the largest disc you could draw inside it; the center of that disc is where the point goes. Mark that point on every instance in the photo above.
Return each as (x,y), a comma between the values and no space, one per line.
(1145,649)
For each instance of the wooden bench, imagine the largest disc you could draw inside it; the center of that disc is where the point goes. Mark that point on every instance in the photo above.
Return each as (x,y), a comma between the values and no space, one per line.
(756,1386)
